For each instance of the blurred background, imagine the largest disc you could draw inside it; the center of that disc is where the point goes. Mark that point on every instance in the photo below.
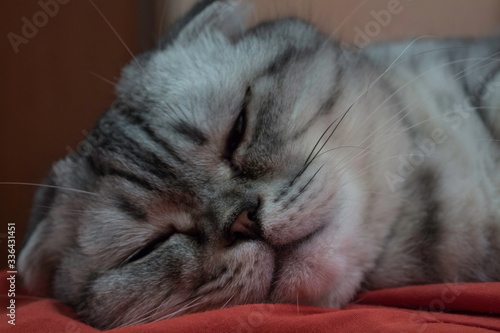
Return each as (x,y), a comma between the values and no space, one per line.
(60,59)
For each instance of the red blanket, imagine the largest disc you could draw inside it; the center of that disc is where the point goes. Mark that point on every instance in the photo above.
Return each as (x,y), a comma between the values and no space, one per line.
(473,307)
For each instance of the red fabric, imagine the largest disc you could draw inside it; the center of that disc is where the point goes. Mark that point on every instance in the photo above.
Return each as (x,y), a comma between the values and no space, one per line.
(473,307)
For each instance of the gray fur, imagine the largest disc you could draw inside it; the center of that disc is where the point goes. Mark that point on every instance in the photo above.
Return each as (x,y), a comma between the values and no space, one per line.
(318,170)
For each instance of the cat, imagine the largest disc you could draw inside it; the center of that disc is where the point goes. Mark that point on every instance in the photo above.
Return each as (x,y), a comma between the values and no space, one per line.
(272,164)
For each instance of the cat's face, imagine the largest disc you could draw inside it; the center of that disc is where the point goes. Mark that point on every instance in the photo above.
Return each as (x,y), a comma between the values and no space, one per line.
(207,188)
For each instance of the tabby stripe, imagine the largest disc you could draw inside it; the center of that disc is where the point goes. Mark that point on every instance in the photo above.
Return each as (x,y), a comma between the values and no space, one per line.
(264,119)
(429,228)
(134,211)
(190,132)
(285,58)
(459,65)
(102,171)
(328,105)
(325,108)
(477,101)
(133,151)
(480,94)
(134,118)
(281,61)
(404,118)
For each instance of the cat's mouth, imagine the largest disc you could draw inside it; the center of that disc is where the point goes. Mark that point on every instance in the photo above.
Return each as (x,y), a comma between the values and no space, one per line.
(298,242)
(282,258)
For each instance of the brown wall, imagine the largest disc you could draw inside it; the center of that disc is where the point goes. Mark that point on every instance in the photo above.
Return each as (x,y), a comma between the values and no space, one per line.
(50,91)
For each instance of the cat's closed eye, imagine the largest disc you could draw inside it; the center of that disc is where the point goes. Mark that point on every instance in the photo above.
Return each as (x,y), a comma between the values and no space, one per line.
(237,133)
(148,248)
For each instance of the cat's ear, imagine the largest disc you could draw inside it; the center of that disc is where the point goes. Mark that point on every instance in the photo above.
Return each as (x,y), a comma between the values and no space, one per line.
(228,17)
(42,251)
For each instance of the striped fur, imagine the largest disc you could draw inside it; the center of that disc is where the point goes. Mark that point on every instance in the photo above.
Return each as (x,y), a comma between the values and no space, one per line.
(351,169)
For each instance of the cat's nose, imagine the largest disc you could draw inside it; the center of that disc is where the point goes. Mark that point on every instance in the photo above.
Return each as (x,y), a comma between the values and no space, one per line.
(245,227)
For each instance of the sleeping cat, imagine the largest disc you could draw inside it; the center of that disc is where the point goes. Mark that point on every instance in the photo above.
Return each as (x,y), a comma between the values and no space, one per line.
(270,164)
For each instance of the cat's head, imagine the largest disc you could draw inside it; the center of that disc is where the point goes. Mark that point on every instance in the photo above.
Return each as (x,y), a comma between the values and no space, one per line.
(206,184)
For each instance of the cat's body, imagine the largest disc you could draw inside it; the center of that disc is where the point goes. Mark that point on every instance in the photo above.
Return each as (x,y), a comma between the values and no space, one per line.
(272,165)
(450,93)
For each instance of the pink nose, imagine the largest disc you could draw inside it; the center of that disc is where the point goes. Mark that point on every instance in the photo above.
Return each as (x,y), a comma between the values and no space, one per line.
(245,227)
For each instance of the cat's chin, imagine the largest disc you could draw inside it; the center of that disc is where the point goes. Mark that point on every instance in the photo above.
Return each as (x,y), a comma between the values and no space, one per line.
(313,272)
(303,271)
(251,271)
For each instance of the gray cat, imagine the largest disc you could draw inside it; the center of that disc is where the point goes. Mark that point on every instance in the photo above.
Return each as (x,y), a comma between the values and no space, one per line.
(272,165)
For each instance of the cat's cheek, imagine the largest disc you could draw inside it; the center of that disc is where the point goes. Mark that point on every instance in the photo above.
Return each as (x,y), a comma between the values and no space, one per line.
(318,272)
(306,272)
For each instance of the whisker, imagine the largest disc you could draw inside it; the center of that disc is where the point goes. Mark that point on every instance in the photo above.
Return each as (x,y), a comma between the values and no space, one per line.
(342,147)
(341,24)
(304,187)
(367,89)
(114,31)
(192,297)
(399,89)
(60,209)
(432,69)
(428,51)
(324,143)
(471,68)
(230,298)
(147,315)
(315,156)
(392,65)
(161,26)
(486,140)
(49,186)
(103,79)
(335,128)
(310,180)
(190,305)
(404,86)
(191,300)
(319,140)
(438,117)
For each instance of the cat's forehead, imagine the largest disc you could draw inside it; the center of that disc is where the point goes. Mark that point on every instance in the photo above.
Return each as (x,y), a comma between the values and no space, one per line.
(184,73)
(184,85)
(212,64)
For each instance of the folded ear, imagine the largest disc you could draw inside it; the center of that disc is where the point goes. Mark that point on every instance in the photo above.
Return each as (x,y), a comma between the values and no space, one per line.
(227,17)
(42,251)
